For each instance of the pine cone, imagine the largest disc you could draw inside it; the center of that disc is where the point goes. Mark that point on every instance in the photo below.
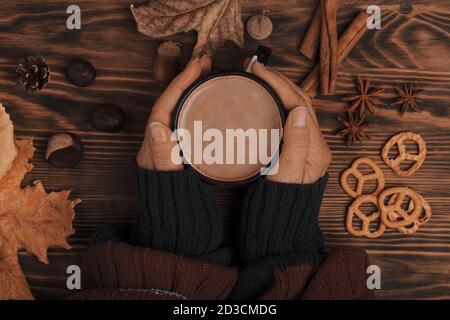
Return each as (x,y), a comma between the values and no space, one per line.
(32,73)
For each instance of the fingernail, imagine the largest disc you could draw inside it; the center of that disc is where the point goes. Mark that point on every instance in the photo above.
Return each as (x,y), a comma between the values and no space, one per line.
(193,61)
(206,63)
(253,65)
(158,133)
(257,63)
(300,117)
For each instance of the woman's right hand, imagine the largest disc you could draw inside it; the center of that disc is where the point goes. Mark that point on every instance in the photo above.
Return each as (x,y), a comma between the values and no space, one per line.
(156,149)
(305,156)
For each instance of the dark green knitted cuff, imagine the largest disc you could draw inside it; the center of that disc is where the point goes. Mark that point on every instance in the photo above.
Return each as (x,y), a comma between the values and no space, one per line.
(111,233)
(281,219)
(177,213)
(279,229)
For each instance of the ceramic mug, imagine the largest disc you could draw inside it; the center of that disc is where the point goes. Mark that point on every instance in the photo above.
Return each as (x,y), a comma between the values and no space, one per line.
(229,125)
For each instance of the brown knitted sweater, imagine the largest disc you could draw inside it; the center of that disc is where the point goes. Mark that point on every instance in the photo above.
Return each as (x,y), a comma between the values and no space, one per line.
(121,271)
(175,248)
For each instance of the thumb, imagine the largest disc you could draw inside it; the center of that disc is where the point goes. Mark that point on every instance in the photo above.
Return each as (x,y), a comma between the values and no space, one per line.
(164,149)
(296,142)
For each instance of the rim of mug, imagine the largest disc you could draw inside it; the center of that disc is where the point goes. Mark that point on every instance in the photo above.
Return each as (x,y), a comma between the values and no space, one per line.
(217,74)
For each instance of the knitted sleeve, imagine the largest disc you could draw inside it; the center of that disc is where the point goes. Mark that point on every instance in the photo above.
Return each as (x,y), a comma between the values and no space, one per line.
(279,228)
(340,276)
(116,270)
(177,214)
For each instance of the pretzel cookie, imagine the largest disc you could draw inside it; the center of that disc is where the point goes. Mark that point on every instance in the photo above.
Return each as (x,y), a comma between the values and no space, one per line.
(403,217)
(374,217)
(377,175)
(423,217)
(403,154)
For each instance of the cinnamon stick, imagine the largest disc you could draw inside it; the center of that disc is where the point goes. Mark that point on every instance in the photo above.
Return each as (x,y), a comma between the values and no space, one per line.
(347,41)
(328,47)
(310,43)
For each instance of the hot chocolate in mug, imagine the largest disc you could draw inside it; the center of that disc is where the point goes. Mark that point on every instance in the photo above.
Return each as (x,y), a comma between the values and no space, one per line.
(229,125)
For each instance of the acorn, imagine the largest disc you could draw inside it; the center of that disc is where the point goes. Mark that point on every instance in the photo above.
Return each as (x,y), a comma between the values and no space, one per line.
(166,62)
(260,27)
(107,117)
(64,150)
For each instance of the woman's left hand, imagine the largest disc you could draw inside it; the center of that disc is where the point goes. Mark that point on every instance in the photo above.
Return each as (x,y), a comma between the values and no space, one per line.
(305,156)
(156,149)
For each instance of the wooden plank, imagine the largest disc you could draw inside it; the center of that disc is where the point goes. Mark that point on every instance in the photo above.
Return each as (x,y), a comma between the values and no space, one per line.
(409,48)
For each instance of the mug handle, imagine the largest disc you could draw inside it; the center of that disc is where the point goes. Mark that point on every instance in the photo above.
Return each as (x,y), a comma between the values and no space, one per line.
(261,55)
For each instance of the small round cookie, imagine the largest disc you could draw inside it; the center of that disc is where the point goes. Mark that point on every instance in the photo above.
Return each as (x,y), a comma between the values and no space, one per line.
(365,231)
(362,178)
(388,211)
(403,154)
(423,217)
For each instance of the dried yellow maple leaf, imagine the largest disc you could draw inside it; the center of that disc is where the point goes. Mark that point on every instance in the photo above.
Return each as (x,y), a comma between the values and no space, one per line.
(7,147)
(30,219)
(215,21)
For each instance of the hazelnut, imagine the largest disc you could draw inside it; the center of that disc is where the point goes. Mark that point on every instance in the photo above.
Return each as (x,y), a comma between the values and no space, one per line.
(166,62)
(107,117)
(80,73)
(260,27)
(64,150)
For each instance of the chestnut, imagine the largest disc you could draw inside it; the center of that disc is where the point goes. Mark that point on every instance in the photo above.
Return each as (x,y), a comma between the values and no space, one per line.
(107,117)
(80,73)
(64,150)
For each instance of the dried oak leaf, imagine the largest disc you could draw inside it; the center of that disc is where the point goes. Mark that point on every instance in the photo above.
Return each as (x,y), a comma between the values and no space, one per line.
(215,21)
(30,219)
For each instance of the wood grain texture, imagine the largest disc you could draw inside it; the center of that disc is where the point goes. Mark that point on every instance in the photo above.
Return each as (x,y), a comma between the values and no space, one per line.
(410,47)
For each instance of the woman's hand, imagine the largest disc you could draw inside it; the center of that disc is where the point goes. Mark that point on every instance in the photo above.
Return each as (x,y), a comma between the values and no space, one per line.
(305,156)
(156,149)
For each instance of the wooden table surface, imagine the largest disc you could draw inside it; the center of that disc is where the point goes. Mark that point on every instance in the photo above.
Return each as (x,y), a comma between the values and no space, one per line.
(410,47)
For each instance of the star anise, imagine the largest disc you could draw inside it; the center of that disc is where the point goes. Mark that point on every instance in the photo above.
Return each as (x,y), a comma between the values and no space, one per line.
(364,99)
(354,129)
(408,98)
